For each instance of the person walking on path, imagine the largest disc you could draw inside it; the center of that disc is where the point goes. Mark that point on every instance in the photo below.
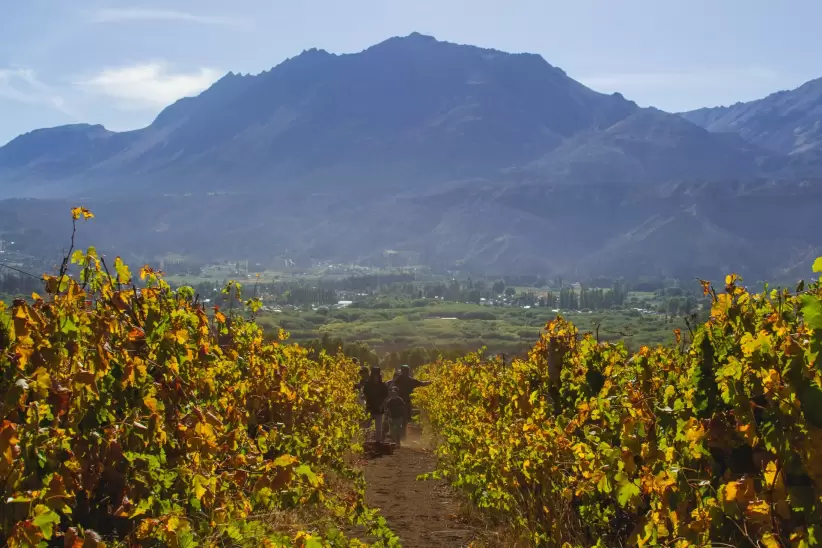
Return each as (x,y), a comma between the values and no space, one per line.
(394,378)
(395,409)
(375,392)
(406,384)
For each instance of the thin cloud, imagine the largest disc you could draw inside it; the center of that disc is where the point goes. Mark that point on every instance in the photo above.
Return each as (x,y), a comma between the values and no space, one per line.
(23,85)
(148,85)
(112,15)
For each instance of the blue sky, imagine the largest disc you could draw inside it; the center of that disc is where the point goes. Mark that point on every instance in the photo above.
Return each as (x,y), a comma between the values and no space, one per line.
(119,62)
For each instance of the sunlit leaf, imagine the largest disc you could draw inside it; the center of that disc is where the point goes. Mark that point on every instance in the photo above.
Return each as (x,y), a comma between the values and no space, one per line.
(77,212)
(812,311)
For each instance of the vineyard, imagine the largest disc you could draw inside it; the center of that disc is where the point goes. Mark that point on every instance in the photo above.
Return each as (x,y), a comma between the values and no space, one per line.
(137,416)
(715,440)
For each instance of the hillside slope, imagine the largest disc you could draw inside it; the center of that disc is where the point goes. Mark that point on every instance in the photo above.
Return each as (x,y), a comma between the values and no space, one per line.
(677,229)
(654,146)
(787,122)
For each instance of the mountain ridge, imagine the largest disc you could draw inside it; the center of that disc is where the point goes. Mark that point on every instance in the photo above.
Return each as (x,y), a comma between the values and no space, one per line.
(787,121)
(451,154)
(409,110)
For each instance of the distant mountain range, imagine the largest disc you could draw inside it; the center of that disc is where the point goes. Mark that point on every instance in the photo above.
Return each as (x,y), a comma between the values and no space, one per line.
(786,122)
(446,154)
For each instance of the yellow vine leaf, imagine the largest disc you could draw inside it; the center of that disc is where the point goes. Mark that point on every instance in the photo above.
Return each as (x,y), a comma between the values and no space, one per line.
(740,492)
(77,212)
(768,540)
(151,403)
(723,304)
(750,344)
(759,512)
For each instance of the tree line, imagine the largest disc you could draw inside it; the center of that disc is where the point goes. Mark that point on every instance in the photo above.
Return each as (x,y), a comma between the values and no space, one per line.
(413,357)
(18,284)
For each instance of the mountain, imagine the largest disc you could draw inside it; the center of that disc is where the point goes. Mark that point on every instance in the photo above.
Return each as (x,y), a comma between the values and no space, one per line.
(446,155)
(52,154)
(410,111)
(786,122)
(653,146)
(762,229)
(407,110)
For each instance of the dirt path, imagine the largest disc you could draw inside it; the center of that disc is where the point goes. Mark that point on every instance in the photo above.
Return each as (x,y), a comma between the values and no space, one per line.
(422,513)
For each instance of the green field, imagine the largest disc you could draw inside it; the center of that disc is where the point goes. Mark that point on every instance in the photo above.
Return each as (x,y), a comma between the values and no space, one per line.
(396,318)
(436,324)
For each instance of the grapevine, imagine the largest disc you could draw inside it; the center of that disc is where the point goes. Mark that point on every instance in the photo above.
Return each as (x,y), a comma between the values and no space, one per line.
(137,415)
(716,440)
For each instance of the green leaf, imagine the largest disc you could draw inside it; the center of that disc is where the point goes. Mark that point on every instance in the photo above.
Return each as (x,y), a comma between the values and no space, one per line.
(603,485)
(626,491)
(234,533)
(45,520)
(817,265)
(812,405)
(186,540)
(812,311)
(68,327)
(185,292)
(308,474)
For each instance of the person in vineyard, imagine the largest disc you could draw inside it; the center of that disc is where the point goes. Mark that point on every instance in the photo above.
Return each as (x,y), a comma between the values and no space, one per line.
(393,380)
(395,409)
(375,392)
(406,384)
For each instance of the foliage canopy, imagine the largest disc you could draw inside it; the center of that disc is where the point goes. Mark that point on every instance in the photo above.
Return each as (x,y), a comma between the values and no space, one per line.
(131,414)
(716,442)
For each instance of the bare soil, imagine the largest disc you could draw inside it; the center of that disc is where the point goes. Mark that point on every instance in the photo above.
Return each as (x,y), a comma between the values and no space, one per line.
(422,513)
